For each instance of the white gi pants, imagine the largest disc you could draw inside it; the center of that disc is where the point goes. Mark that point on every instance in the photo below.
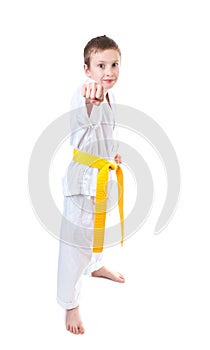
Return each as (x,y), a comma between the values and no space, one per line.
(75,255)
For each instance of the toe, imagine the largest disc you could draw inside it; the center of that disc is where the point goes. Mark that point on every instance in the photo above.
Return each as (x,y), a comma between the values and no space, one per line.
(75,330)
(81,329)
(121,278)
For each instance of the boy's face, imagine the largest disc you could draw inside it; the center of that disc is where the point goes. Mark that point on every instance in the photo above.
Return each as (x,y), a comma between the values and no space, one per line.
(104,67)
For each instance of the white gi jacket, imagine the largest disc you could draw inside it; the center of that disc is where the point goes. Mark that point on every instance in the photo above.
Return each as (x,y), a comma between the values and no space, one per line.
(95,134)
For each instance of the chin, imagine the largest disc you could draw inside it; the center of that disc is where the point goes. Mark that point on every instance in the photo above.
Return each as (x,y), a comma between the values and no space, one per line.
(108,86)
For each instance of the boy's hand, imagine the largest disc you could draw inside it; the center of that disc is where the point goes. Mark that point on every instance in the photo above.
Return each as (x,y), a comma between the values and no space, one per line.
(93,92)
(118,159)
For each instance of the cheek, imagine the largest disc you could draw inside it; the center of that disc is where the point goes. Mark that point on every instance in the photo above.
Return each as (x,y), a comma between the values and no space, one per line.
(98,74)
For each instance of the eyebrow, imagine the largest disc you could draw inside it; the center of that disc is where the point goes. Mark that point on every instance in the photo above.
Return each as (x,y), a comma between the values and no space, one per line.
(108,61)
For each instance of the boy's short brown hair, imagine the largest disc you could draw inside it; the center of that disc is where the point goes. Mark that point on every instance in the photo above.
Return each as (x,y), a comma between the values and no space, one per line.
(99,43)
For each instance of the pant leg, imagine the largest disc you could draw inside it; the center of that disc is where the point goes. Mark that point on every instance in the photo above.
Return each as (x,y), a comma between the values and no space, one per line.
(71,265)
(75,254)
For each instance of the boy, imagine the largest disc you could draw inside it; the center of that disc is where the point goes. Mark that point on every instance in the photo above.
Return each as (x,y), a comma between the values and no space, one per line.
(92,131)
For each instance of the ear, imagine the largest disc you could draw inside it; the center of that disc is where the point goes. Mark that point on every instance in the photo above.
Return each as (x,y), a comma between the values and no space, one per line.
(87,71)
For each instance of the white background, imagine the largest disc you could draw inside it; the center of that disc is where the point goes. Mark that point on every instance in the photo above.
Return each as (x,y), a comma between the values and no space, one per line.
(164,303)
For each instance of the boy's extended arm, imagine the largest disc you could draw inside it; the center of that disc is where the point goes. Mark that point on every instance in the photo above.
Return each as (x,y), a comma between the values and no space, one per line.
(94,95)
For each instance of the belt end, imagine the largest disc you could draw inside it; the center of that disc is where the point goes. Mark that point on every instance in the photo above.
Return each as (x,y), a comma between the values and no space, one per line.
(97,250)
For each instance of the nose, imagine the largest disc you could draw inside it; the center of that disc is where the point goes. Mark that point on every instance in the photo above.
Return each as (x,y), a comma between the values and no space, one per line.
(108,71)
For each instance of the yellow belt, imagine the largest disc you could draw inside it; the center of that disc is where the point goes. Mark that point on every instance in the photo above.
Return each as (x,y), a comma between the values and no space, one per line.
(101,194)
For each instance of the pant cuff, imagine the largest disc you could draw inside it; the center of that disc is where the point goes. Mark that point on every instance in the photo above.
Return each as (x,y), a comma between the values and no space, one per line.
(67,306)
(93,267)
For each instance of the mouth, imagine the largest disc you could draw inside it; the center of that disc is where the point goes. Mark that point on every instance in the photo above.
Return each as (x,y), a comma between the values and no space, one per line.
(108,81)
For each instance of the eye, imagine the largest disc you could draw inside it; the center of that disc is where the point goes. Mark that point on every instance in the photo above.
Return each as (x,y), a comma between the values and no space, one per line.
(115,64)
(101,65)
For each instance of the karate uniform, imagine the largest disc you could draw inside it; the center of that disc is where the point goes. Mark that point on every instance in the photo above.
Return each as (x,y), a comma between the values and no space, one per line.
(94,134)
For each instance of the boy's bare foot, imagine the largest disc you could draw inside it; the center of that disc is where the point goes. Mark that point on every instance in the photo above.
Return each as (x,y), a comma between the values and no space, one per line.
(106,273)
(74,322)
